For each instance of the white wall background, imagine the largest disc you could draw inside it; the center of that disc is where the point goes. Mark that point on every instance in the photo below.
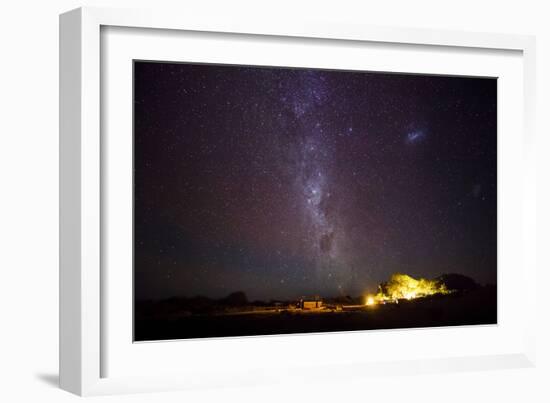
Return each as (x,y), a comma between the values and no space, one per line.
(29,198)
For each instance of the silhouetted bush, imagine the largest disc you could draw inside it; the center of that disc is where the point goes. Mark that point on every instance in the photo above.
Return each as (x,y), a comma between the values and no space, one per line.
(457,282)
(237,298)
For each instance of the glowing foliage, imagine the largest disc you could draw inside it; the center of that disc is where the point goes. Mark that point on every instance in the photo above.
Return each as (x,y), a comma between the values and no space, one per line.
(402,286)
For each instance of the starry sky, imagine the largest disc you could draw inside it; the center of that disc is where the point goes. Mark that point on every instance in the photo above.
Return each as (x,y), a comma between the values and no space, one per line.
(286,182)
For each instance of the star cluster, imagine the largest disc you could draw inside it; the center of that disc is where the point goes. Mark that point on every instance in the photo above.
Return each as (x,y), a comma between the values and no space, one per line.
(285,182)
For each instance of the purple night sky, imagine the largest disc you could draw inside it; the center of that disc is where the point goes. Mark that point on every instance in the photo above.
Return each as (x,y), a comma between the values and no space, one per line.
(284,182)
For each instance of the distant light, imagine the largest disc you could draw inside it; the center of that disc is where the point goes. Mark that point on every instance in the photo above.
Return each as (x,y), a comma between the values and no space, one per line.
(370,300)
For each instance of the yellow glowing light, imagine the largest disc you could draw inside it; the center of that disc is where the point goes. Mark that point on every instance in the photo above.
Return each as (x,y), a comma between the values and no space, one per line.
(370,300)
(402,286)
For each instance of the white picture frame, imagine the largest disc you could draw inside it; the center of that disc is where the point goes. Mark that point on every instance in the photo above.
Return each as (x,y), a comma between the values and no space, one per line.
(83,295)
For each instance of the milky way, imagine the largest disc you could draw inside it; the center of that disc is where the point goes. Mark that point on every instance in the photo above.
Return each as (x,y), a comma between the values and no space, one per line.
(297,182)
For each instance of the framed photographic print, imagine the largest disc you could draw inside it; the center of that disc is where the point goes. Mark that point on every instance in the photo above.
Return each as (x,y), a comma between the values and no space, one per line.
(237,198)
(285,200)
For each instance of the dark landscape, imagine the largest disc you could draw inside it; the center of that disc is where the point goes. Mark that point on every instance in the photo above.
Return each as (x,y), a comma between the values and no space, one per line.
(182,318)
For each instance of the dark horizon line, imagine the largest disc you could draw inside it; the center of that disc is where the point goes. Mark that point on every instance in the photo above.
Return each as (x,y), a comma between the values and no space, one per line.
(265,300)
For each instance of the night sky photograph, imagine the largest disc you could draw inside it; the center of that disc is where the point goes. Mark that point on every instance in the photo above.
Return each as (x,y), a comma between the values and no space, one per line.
(275,200)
